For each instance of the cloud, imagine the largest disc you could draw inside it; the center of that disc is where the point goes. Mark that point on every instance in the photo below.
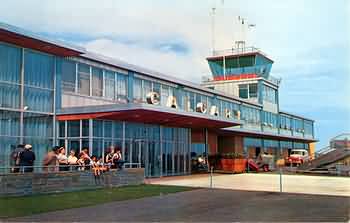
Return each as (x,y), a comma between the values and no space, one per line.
(308,40)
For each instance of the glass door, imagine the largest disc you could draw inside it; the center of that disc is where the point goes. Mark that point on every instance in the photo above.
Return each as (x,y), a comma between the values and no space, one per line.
(152,167)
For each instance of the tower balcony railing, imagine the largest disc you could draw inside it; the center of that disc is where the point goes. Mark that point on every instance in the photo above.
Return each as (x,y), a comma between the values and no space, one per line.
(242,75)
(237,51)
(274,80)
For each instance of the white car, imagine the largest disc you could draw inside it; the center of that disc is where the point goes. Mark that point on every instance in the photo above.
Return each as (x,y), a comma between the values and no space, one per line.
(297,156)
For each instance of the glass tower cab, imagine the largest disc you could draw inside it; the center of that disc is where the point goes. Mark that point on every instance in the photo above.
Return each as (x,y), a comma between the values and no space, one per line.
(244,72)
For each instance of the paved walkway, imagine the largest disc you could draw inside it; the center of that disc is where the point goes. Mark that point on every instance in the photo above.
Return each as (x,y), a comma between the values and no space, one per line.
(205,205)
(325,185)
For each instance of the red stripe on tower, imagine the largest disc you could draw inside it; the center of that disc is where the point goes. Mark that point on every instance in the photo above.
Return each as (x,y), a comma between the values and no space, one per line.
(235,77)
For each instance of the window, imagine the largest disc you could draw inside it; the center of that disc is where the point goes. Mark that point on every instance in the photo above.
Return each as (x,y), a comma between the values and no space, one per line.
(308,126)
(248,90)
(243,91)
(68,76)
(270,119)
(156,88)
(73,128)
(84,79)
(137,90)
(250,115)
(10,63)
(97,82)
(38,69)
(109,84)
(147,87)
(164,95)
(269,94)
(253,90)
(191,100)
(122,87)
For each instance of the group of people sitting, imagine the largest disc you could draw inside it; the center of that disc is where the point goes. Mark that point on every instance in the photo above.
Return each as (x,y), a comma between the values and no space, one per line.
(57,160)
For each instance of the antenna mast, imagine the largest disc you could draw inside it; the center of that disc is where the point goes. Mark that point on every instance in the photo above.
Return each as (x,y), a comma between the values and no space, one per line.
(213,29)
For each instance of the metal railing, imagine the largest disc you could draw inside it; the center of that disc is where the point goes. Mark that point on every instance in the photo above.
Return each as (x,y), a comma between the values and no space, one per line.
(237,51)
(59,168)
(274,80)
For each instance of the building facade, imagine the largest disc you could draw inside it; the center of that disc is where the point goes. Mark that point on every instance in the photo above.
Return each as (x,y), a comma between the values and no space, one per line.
(53,93)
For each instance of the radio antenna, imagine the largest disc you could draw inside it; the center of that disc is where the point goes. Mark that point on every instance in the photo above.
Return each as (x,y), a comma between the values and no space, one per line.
(213,29)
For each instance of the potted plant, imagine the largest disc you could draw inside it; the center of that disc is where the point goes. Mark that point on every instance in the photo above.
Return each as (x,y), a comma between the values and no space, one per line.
(233,162)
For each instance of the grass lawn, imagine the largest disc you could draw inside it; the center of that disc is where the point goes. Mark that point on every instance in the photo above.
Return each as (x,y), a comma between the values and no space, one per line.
(28,205)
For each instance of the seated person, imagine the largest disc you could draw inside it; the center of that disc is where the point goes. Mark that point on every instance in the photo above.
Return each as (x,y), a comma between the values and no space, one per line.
(117,159)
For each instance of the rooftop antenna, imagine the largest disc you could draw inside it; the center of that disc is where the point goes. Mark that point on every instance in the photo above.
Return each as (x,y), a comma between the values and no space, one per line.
(213,9)
(241,40)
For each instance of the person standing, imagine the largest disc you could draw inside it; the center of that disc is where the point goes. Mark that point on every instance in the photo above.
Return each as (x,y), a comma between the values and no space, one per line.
(62,159)
(15,160)
(26,159)
(50,161)
(72,159)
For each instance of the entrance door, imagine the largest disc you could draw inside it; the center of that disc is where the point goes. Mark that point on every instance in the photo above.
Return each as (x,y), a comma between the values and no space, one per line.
(152,159)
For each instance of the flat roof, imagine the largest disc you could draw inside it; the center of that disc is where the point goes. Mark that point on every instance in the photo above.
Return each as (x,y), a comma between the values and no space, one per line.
(24,38)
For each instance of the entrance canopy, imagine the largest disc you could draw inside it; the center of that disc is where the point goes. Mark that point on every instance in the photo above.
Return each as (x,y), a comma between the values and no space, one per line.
(148,114)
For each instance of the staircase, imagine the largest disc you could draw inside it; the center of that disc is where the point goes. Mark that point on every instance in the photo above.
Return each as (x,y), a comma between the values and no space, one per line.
(325,159)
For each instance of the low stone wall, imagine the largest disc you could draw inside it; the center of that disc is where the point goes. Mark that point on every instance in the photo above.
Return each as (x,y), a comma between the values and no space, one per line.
(41,183)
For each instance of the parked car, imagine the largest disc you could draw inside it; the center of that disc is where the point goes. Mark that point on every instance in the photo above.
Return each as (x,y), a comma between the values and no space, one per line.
(297,157)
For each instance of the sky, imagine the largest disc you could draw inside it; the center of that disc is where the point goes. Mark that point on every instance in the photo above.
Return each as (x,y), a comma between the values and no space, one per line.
(308,40)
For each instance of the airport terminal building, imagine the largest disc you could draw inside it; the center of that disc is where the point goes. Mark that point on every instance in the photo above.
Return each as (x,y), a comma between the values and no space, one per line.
(54,93)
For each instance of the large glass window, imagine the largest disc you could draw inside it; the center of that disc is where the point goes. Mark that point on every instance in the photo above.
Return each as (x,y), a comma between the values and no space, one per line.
(308,126)
(73,128)
(97,82)
(270,119)
(84,79)
(9,95)
(10,63)
(250,115)
(122,87)
(137,90)
(38,125)
(147,87)
(38,69)
(156,88)
(109,84)
(9,123)
(68,76)
(37,99)
(164,95)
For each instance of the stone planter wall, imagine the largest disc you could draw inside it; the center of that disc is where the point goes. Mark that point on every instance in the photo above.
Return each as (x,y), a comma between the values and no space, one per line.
(41,183)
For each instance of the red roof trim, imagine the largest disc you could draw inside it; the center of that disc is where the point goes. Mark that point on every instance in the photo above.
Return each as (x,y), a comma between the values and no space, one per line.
(35,44)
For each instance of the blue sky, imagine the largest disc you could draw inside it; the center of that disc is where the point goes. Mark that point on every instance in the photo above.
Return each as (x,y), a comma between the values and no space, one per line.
(308,40)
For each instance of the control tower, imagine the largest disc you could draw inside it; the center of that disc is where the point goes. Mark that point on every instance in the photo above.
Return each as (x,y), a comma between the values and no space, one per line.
(244,72)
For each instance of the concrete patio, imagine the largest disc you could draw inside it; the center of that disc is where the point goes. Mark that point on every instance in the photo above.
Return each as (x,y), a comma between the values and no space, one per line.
(322,185)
